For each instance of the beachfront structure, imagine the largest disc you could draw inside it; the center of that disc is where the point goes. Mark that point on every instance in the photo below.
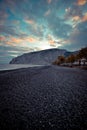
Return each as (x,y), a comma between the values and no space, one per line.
(82,61)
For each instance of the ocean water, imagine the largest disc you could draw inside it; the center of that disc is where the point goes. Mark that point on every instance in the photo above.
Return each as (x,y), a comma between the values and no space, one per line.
(15,66)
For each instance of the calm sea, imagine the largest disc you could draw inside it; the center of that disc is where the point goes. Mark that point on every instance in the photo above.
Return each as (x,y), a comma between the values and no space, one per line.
(15,66)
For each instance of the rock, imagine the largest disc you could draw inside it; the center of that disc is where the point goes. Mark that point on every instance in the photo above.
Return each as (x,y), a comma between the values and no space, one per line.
(43,57)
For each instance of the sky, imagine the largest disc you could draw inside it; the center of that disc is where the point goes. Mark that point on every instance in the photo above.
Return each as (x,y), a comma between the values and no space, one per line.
(33,25)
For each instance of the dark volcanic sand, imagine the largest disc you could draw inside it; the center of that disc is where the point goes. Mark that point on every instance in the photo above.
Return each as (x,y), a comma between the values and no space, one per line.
(43,98)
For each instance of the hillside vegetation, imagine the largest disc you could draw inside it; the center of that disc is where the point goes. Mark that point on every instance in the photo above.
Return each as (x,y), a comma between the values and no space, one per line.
(74,59)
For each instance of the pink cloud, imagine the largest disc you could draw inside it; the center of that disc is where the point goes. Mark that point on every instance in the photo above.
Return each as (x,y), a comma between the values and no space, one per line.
(84,19)
(81,2)
(76,18)
(49,1)
(31,39)
(2,38)
(76,15)
(29,21)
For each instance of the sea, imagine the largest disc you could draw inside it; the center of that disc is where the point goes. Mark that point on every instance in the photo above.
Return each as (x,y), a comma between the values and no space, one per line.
(15,66)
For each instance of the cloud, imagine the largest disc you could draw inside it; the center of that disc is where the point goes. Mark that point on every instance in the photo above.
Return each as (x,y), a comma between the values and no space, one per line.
(31,39)
(3,14)
(78,39)
(49,1)
(47,12)
(12,41)
(68,10)
(76,15)
(35,27)
(3,17)
(51,41)
(15,22)
(73,12)
(9,30)
(82,26)
(18,41)
(37,30)
(84,18)
(60,29)
(76,18)
(2,38)
(9,52)
(81,2)
(79,19)
(29,21)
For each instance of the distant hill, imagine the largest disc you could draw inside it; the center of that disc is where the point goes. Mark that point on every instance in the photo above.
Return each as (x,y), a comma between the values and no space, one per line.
(43,57)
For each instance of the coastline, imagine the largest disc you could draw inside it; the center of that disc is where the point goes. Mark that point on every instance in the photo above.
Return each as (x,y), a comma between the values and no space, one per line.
(6,67)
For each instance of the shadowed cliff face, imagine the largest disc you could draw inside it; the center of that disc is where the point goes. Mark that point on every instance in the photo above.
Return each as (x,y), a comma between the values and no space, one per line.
(43,98)
(41,57)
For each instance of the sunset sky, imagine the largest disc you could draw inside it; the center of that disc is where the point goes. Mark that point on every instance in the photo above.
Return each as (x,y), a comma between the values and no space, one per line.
(32,25)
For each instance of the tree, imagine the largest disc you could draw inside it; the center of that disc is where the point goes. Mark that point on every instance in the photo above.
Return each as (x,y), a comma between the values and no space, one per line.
(78,57)
(56,62)
(71,59)
(82,54)
(61,59)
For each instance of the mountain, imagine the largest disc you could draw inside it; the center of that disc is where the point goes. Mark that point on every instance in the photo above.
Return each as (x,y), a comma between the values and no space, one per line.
(43,57)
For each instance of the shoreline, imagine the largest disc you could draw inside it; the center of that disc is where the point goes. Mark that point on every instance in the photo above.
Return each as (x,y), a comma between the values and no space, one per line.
(16,66)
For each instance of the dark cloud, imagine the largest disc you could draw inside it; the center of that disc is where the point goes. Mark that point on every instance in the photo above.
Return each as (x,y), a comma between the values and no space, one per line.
(3,15)
(77,40)
(73,11)
(36,30)
(58,27)
(82,26)
(62,30)
(9,52)
(8,30)
(79,37)
(11,31)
